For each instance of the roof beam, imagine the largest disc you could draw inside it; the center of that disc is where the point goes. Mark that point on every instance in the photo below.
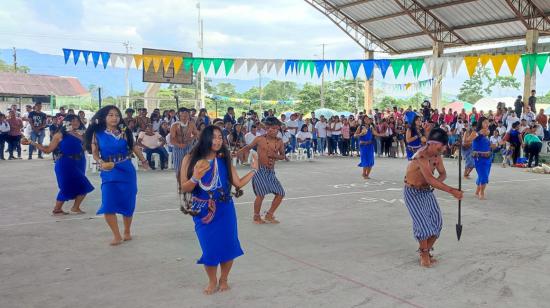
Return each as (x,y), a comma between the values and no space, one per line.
(354,3)
(530,14)
(430,24)
(355,31)
(428,8)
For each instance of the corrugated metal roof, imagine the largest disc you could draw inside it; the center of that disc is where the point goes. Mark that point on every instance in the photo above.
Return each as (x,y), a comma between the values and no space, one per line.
(30,84)
(475,21)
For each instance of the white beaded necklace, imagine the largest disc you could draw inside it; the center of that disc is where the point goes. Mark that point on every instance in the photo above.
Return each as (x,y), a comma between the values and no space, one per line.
(214,183)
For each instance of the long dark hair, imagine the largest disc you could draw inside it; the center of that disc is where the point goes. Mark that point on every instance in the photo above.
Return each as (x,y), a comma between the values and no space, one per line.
(414,130)
(63,129)
(98,124)
(203,147)
(479,125)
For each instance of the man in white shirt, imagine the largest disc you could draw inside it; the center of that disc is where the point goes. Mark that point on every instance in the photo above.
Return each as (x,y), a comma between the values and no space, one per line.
(292,127)
(251,135)
(511,119)
(528,115)
(152,142)
(321,128)
(501,129)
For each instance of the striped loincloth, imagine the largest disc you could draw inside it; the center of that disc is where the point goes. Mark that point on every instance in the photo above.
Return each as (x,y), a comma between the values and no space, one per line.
(178,154)
(265,182)
(424,211)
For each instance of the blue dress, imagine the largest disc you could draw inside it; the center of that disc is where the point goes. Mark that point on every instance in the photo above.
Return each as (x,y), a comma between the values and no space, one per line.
(481,144)
(218,238)
(413,146)
(118,185)
(70,169)
(366,150)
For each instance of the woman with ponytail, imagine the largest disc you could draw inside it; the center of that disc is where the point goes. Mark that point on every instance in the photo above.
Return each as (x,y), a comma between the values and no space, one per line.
(112,145)
(70,164)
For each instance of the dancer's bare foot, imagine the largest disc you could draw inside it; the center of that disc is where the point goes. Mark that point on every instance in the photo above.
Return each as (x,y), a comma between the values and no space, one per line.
(366,177)
(432,259)
(116,241)
(127,237)
(270,219)
(481,196)
(77,211)
(425,259)
(258,219)
(59,212)
(223,286)
(211,288)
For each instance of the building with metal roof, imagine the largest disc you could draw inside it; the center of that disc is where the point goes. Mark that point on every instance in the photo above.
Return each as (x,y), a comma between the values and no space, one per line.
(408,26)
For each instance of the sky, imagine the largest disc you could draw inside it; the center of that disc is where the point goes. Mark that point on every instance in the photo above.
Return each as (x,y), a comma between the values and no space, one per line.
(237,28)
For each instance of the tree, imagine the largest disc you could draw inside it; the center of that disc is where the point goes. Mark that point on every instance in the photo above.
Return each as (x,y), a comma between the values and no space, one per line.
(482,83)
(225,89)
(279,90)
(310,98)
(4,67)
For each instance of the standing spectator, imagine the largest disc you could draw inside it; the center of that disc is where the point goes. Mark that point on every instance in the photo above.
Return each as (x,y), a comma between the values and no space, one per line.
(354,144)
(533,100)
(129,116)
(321,128)
(83,119)
(152,142)
(61,114)
(336,130)
(37,120)
(513,137)
(426,108)
(16,126)
(4,134)
(518,105)
(230,116)
(533,146)
(203,117)
(292,127)
(501,129)
(142,120)
(542,120)
(510,120)
(345,137)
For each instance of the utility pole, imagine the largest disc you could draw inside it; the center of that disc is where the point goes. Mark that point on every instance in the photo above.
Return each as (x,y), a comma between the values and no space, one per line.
(323,80)
(127,46)
(14,60)
(201,47)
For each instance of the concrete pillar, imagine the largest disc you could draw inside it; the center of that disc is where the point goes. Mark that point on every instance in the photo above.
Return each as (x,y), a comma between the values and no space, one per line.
(530,81)
(438,79)
(369,85)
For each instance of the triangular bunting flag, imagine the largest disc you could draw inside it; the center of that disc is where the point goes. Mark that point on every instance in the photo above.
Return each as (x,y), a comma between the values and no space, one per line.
(430,65)
(368,67)
(85,55)
(396,66)
(105,58)
(484,59)
(66,54)
(206,64)
(95,57)
(300,66)
(269,64)
(345,66)
(217,64)
(187,64)
(497,61)
(383,66)
(156,62)
(471,64)
(197,63)
(76,55)
(417,66)
(288,65)
(456,63)
(355,65)
(147,63)
(166,61)
(250,64)
(114,58)
(512,62)
(177,64)
(260,64)
(541,61)
(137,60)
(228,64)
(279,65)
(311,67)
(238,64)
(320,67)
(331,65)
(529,61)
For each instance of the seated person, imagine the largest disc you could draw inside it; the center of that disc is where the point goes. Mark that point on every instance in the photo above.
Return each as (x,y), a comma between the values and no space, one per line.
(152,142)
(304,139)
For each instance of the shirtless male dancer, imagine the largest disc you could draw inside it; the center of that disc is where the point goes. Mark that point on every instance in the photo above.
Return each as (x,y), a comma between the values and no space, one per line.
(270,148)
(183,133)
(418,193)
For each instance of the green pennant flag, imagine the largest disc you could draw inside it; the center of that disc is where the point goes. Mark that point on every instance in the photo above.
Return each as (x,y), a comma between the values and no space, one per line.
(228,64)
(337,64)
(396,66)
(541,61)
(217,63)
(311,66)
(197,64)
(300,66)
(206,63)
(345,64)
(417,66)
(187,63)
(529,61)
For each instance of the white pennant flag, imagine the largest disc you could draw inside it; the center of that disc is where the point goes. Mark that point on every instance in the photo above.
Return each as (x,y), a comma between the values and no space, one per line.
(270,64)
(250,64)
(429,64)
(114,58)
(238,64)
(128,60)
(456,62)
(279,65)
(261,65)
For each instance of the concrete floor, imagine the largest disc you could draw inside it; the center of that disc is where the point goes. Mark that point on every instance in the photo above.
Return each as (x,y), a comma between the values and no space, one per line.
(343,242)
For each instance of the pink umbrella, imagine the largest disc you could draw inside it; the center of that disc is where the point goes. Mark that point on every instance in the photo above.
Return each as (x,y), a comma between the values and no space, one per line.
(458,106)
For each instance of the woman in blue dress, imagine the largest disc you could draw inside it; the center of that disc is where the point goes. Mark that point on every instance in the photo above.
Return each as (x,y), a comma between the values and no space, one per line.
(70,164)
(365,133)
(467,139)
(414,137)
(112,146)
(481,153)
(207,173)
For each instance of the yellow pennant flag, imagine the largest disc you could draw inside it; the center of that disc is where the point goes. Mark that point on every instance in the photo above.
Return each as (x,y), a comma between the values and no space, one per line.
(471,64)
(156,62)
(512,61)
(484,59)
(147,62)
(137,60)
(497,61)
(177,63)
(166,61)
(408,85)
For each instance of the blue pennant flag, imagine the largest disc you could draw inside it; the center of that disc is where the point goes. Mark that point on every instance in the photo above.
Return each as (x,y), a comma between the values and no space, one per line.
(76,55)
(331,65)
(368,66)
(85,55)
(320,66)
(355,65)
(66,54)
(105,58)
(383,65)
(95,57)
(288,64)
